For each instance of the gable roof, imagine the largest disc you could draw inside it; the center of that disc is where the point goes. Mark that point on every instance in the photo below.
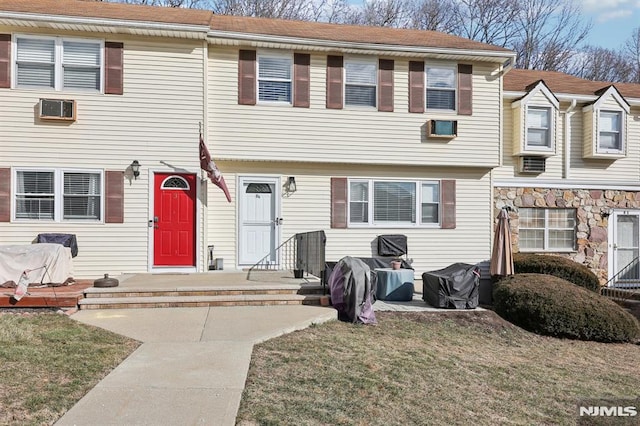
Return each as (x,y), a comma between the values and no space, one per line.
(518,80)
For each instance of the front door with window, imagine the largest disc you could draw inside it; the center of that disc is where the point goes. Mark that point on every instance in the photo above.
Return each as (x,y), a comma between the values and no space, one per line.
(625,244)
(258,219)
(174,220)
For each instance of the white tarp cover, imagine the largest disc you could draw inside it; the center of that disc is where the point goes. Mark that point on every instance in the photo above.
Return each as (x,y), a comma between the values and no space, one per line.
(46,263)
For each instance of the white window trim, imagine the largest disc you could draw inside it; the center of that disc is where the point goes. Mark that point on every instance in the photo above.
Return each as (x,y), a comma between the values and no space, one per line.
(273,54)
(552,124)
(454,68)
(58,194)
(546,235)
(623,124)
(418,205)
(367,61)
(58,70)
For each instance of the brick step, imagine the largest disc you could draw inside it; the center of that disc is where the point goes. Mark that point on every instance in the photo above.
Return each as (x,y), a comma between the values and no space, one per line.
(198,301)
(121,292)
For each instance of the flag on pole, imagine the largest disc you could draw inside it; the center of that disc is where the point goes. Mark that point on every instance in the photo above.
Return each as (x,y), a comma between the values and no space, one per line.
(207,164)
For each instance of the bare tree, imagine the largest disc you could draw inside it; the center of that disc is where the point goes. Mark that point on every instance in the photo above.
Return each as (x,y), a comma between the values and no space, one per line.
(433,15)
(382,13)
(600,64)
(631,52)
(487,21)
(285,9)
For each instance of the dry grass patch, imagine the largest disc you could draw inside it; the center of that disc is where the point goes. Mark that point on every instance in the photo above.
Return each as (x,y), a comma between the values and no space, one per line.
(49,362)
(425,368)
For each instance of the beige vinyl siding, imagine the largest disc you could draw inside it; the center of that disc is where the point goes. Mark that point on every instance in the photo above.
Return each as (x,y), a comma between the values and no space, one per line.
(284,133)
(154,122)
(308,209)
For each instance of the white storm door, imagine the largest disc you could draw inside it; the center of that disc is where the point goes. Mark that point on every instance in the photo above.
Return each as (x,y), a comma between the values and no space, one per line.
(626,248)
(258,219)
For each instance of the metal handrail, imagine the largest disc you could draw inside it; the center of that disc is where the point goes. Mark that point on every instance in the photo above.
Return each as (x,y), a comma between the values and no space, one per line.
(632,282)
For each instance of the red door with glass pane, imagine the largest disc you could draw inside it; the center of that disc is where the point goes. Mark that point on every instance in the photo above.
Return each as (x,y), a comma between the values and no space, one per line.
(174,219)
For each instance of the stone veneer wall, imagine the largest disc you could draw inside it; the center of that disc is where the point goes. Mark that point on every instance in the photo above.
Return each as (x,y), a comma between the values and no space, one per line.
(593,208)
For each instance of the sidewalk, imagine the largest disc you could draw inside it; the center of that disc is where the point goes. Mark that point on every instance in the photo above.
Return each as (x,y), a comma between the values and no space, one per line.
(191,367)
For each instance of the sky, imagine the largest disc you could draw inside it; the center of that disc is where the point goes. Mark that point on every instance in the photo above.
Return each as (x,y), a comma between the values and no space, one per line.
(613,21)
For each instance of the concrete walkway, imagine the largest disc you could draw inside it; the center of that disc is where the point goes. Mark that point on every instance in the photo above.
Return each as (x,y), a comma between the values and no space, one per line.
(192,365)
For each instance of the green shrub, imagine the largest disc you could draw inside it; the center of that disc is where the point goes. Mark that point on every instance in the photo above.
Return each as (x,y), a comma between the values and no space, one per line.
(552,306)
(557,266)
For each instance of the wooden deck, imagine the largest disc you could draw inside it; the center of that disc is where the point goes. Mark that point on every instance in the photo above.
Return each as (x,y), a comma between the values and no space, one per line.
(66,296)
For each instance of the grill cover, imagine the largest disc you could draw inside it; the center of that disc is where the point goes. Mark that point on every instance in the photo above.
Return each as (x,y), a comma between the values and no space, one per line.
(456,286)
(67,240)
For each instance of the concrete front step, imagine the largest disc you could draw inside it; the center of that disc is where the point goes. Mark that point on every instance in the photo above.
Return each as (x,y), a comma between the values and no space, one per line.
(198,301)
(118,292)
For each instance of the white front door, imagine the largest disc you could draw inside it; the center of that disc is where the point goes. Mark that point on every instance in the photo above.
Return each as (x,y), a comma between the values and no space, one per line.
(258,219)
(625,245)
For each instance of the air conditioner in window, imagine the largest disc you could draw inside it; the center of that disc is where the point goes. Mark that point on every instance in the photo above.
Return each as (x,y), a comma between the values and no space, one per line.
(532,164)
(444,129)
(57,109)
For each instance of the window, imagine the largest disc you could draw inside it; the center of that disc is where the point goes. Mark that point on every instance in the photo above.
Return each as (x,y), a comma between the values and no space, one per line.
(385,203)
(610,132)
(538,127)
(58,63)
(58,195)
(274,78)
(361,79)
(547,229)
(441,88)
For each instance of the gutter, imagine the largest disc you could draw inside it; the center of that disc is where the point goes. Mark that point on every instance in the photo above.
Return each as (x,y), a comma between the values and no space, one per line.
(567,139)
(568,97)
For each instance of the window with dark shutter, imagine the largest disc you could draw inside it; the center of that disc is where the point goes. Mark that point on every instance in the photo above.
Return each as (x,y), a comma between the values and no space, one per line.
(465,89)
(301,79)
(114,196)
(334,82)
(448,200)
(416,86)
(5,194)
(113,68)
(247,77)
(5,61)
(338,202)
(385,85)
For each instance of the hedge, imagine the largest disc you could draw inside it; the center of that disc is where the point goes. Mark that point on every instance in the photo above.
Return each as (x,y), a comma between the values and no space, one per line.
(557,266)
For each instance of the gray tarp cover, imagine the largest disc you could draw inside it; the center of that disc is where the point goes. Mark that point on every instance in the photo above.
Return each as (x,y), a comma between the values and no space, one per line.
(351,291)
(456,286)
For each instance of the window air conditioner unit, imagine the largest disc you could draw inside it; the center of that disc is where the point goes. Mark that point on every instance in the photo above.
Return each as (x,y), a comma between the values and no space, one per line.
(445,129)
(57,109)
(532,164)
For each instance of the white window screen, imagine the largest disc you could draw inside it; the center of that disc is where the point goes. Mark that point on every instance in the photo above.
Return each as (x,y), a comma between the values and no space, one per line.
(35,195)
(359,202)
(441,88)
(81,194)
(538,127)
(81,65)
(547,229)
(35,62)
(360,83)
(274,78)
(394,202)
(430,202)
(610,129)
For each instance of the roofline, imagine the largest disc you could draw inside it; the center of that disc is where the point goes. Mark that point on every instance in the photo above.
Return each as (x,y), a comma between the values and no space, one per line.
(568,97)
(499,56)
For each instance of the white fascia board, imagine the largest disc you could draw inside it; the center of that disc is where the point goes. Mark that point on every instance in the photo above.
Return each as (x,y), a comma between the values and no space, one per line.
(566,184)
(568,97)
(487,55)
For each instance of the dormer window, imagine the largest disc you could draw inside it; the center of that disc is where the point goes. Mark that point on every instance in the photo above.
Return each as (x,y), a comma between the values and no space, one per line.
(610,132)
(604,124)
(535,117)
(538,128)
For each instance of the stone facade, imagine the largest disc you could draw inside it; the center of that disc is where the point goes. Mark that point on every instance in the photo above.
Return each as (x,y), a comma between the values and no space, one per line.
(592,211)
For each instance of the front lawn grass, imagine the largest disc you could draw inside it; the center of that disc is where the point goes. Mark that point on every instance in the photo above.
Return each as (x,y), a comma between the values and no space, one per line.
(49,362)
(431,369)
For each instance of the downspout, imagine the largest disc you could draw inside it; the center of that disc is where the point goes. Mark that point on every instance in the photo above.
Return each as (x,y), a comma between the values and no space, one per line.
(567,140)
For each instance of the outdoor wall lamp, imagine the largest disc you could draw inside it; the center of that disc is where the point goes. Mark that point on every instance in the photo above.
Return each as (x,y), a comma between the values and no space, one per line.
(135,168)
(290,186)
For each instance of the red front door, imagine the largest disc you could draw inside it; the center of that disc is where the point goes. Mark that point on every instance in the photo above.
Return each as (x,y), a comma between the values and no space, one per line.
(174,219)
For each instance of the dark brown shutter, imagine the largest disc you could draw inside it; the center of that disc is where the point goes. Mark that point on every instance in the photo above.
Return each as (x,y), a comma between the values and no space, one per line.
(113,68)
(448,198)
(5,195)
(465,89)
(247,77)
(5,61)
(385,85)
(114,196)
(334,82)
(338,202)
(417,94)
(301,79)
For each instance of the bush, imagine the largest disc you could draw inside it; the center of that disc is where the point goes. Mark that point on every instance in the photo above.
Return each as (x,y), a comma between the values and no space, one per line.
(557,266)
(552,306)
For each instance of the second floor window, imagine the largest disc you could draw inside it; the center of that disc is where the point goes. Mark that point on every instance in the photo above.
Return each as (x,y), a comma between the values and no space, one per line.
(610,132)
(58,63)
(274,78)
(538,127)
(361,79)
(441,88)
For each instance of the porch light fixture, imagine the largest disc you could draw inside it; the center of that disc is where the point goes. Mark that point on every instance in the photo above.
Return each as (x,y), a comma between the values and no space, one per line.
(135,168)
(290,186)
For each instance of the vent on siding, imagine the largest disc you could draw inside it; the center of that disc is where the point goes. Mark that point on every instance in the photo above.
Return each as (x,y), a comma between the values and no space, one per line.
(57,109)
(532,164)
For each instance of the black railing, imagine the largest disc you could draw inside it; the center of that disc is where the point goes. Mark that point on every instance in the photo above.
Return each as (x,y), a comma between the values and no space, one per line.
(624,284)
(301,253)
